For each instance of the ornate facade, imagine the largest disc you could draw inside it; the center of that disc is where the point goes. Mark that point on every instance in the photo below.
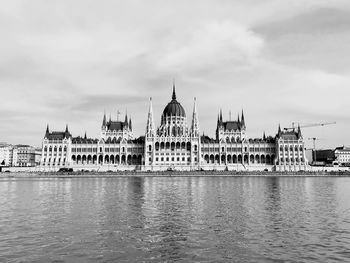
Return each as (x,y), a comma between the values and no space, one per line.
(174,146)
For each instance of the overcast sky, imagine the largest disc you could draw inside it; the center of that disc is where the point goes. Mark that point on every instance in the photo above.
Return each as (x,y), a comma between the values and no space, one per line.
(281,61)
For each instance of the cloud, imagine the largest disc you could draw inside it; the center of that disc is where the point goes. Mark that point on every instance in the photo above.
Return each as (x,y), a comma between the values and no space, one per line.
(316,40)
(212,43)
(65,61)
(316,21)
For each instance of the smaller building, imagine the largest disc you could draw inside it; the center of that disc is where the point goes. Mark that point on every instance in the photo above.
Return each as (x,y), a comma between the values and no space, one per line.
(17,155)
(25,155)
(5,154)
(342,155)
(37,156)
(323,157)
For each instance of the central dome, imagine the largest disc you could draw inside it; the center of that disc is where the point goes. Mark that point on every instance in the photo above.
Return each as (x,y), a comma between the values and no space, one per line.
(174,108)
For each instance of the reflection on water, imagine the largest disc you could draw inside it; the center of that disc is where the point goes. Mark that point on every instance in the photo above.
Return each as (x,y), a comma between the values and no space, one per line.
(188,219)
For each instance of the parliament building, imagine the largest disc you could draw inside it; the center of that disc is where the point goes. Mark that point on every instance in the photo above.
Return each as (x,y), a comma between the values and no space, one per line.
(174,145)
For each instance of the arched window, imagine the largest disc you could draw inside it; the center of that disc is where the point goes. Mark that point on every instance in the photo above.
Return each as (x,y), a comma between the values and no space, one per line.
(149,148)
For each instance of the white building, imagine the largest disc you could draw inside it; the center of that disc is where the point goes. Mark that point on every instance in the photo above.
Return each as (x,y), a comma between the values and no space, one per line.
(174,145)
(342,155)
(5,154)
(290,150)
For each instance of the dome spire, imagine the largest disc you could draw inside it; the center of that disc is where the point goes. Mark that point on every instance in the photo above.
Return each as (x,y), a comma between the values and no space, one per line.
(174,93)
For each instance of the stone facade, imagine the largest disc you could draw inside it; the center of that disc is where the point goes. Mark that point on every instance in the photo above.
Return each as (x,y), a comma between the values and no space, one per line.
(174,145)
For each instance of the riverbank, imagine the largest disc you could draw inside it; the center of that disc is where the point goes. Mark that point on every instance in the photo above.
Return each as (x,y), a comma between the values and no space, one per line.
(173,174)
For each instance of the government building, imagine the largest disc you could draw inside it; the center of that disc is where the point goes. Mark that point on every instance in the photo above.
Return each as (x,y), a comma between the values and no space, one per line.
(177,144)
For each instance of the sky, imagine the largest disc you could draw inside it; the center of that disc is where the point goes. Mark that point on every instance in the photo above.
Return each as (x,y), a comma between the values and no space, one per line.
(68,61)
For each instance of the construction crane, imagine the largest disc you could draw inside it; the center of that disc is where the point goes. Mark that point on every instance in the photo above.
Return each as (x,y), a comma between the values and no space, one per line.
(309,125)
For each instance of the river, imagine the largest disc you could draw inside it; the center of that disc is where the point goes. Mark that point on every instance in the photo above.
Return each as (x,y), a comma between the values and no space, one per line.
(167,219)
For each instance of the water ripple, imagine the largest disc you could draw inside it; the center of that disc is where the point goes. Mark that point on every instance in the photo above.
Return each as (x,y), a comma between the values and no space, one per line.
(175,219)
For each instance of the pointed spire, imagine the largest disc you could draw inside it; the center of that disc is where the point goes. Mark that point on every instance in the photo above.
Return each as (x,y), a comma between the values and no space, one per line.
(238,119)
(104,122)
(264,136)
(85,136)
(220,116)
(126,117)
(279,129)
(242,119)
(195,122)
(47,131)
(195,105)
(150,129)
(110,117)
(174,92)
(67,131)
(299,132)
(130,124)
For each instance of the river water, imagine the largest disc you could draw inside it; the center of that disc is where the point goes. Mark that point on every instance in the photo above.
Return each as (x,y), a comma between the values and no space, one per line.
(167,219)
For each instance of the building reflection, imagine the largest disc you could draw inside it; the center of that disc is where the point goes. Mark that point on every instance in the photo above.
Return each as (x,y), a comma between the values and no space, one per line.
(168,212)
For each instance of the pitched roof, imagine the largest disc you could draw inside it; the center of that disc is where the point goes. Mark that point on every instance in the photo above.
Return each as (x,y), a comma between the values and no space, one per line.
(84,140)
(232,125)
(289,135)
(58,135)
(116,125)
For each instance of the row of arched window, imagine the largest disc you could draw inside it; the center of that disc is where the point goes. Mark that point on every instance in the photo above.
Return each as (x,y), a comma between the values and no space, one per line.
(292,160)
(107,159)
(55,148)
(301,148)
(233,139)
(243,159)
(173,146)
(54,161)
